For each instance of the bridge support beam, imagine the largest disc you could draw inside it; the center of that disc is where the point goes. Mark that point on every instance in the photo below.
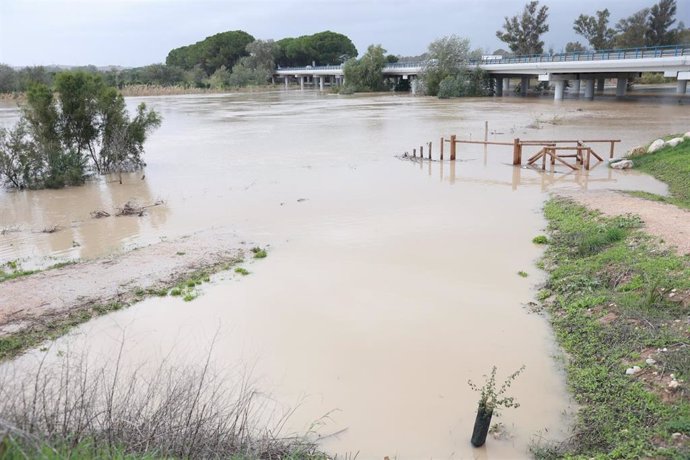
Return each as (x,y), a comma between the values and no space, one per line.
(524,86)
(589,89)
(682,86)
(621,85)
(600,85)
(321,82)
(499,86)
(286,81)
(575,84)
(301,82)
(506,85)
(559,86)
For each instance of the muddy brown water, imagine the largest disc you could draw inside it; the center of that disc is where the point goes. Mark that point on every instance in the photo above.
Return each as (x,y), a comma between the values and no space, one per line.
(388,283)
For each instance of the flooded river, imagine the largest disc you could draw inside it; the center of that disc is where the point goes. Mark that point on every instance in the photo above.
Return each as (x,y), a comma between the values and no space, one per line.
(388,284)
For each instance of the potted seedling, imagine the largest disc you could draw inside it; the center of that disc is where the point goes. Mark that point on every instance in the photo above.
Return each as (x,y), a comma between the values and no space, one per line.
(489,401)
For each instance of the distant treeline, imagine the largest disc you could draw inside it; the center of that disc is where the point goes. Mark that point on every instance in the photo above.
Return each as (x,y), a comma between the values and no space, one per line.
(227,59)
(237,59)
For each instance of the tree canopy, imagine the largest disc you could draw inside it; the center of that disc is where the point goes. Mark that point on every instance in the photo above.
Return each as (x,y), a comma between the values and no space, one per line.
(522,32)
(596,29)
(323,48)
(223,49)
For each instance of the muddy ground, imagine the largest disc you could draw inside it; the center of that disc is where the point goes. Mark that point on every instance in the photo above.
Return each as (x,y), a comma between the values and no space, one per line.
(670,223)
(53,293)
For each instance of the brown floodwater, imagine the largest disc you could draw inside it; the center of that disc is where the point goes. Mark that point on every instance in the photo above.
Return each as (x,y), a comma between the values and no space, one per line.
(388,284)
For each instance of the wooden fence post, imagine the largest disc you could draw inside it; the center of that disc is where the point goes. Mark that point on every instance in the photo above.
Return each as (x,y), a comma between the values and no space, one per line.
(452,147)
(517,152)
(430,150)
(442,149)
(486,131)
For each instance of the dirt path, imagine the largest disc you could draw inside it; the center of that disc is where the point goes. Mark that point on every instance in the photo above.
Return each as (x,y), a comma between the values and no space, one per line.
(56,292)
(666,221)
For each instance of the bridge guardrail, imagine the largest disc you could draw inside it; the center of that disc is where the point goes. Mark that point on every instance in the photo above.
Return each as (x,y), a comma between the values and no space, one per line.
(600,55)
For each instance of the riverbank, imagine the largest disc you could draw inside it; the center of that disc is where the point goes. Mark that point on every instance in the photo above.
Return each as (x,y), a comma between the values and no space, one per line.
(619,304)
(618,295)
(45,305)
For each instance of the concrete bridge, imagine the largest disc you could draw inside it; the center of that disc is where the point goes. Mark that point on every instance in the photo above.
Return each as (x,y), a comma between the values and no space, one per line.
(588,68)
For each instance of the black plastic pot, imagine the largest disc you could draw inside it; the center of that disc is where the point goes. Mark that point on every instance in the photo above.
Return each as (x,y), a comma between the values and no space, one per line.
(481,427)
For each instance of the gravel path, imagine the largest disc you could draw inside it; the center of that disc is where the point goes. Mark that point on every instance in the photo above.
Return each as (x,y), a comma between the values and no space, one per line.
(55,292)
(668,222)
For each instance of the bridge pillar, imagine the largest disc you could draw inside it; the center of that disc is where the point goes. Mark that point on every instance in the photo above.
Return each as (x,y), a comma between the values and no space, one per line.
(301,82)
(286,81)
(506,85)
(589,89)
(621,84)
(499,86)
(600,85)
(576,87)
(559,86)
(524,86)
(682,86)
(321,83)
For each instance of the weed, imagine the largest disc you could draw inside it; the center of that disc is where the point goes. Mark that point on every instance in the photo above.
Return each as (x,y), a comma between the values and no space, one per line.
(540,239)
(259,253)
(242,271)
(176,292)
(523,274)
(180,253)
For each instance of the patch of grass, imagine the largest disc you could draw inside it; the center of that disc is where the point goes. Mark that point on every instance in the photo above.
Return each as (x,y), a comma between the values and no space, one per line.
(609,305)
(259,253)
(540,239)
(672,166)
(13,344)
(180,253)
(242,271)
(523,274)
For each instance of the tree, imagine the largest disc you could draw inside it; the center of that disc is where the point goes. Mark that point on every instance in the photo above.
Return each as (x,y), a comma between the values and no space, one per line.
(522,32)
(661,18)
(225,48)
(574,47)
(446,57)
(632,30)
(57,137)
(323,48)
(392,59)
(366,74)
(8,79)
(596,29)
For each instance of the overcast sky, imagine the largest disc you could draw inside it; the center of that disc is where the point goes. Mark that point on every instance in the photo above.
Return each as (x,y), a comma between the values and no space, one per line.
(140,32)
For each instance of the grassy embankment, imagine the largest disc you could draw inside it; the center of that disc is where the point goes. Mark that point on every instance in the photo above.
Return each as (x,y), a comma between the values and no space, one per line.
(618,300)
(670,165)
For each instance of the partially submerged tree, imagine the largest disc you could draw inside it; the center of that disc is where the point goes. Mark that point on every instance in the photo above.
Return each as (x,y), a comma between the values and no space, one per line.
(446,72)
(446,57)
(365,74)
(59,137)
(522,32)
(596,29)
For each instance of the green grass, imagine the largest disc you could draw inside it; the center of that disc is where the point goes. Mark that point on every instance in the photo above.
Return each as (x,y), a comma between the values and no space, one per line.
(259,253)
(672,166)
(242,271)
(522,274)
(540,239)
(606,266)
